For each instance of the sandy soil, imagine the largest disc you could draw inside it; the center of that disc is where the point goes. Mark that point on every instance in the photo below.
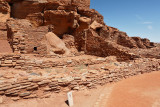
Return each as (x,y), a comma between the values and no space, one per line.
(5,47)
(139,91)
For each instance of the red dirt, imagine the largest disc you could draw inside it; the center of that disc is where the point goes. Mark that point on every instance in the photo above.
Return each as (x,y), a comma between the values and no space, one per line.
(5,47)
(139,91)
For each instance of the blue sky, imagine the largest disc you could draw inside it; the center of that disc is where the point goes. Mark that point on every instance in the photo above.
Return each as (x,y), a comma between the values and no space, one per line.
(136,17)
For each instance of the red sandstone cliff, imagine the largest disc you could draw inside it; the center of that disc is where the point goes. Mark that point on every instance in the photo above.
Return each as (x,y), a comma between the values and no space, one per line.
(65,17)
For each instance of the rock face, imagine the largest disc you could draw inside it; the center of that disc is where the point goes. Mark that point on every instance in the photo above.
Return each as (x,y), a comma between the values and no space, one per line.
(36,9)
(4,10)
(62,21)
(66,17)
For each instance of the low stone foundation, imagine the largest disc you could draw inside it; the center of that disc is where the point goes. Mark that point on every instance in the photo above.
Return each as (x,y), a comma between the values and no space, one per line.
(31,86)
(24,62)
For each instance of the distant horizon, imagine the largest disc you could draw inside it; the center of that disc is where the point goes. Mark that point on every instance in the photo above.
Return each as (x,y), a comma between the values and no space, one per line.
(139,18)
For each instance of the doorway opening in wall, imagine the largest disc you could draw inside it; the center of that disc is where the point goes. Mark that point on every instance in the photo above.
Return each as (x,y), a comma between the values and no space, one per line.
(11,12)
(98,30)
(35,48)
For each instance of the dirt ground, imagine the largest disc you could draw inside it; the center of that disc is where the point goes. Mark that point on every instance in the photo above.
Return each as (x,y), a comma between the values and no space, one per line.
(5,47)
(139,91)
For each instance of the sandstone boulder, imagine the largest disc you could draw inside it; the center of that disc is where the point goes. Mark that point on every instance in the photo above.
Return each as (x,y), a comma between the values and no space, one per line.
(91,13)
(85,20)
(95,25)
(83,23)
(55,44)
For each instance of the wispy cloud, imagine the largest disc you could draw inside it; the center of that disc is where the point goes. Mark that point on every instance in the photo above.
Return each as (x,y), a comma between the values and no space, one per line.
(149,27)
(147,22)
(139,17)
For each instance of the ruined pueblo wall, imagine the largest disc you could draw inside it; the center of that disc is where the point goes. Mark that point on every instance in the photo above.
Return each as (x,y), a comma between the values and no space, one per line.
(29,86)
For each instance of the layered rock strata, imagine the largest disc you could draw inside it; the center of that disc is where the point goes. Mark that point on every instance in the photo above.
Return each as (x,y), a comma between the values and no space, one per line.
(68,17)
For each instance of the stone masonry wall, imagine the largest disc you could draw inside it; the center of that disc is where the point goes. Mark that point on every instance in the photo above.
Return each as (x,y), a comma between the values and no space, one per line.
(24,39)
(11,60)
(26,87)
(24,62)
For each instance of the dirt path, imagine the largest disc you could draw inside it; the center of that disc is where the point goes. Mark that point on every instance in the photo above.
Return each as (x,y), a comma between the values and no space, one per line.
(105,93)
(139,91)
